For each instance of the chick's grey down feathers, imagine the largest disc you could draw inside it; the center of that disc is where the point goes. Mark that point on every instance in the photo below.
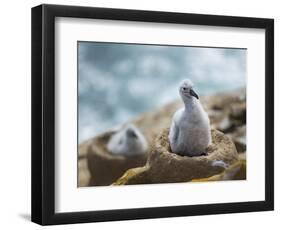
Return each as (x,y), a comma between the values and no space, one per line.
(190,132)
(127,141)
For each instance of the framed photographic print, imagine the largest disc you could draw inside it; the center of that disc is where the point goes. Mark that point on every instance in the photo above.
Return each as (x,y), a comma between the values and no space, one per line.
(142,114)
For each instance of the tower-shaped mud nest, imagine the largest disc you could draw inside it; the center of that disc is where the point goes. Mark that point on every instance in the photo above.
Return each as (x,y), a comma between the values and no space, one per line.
(163,166)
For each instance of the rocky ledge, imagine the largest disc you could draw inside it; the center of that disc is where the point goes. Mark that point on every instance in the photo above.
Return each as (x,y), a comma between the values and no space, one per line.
(227,113)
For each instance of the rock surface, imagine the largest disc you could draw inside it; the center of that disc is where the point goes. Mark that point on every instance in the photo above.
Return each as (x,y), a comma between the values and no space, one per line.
(227,113)
(84,174)
(236,171)
(163,166)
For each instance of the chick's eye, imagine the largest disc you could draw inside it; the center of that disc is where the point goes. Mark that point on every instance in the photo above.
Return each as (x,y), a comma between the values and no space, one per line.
(183,88)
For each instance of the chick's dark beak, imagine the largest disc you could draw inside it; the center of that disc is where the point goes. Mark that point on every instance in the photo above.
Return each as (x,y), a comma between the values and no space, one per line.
(192,93)
(131,133)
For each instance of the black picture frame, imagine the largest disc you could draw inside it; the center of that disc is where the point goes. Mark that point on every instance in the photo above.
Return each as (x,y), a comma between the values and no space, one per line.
(43,114)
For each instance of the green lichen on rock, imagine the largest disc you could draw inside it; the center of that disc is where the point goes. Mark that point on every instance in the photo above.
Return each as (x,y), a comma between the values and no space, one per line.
(135,176)
(236,171)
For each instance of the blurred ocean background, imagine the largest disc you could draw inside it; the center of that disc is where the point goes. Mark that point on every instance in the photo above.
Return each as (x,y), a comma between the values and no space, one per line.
(117,82)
